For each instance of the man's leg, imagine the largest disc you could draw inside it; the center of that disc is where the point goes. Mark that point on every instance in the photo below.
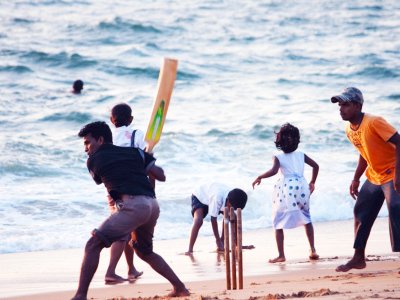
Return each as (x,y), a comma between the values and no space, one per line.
(89,266)
(393,205)
(161,267)
(144,249)
(368,205)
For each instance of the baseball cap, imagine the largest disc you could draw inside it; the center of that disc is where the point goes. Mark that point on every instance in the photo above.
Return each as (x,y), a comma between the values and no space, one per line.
(350,94)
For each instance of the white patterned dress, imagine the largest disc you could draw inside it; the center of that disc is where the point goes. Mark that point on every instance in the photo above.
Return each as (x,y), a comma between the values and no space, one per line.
(291,206)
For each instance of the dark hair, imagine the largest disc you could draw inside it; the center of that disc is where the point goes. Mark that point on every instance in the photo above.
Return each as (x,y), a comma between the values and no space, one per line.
(287,138)
(237,198)
(77,86)
(97,129)
(122,114)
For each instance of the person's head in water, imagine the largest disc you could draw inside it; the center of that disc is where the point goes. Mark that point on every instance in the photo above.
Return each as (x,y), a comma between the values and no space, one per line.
(77,87)
(287,138)
(121,115)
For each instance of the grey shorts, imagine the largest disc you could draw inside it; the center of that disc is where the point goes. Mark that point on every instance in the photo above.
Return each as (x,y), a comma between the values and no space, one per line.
(137,214)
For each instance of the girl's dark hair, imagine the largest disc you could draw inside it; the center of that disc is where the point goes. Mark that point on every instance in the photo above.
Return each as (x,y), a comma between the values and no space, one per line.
(287,138)
(121,113)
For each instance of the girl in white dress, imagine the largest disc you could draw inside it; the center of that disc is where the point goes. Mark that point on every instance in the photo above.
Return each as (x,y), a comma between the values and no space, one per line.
(291,207)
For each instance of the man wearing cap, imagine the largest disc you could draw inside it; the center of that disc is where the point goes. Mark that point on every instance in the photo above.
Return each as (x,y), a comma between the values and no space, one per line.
(378,143)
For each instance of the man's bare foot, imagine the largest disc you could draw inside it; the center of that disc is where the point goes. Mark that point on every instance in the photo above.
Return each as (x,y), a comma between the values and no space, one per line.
(179,292)
(134,275)
(115,279)
(277,259)
(352,264)
(79,297)
(314,256)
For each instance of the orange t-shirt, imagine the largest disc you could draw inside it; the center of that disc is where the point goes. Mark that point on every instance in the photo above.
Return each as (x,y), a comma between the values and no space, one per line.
(372,141)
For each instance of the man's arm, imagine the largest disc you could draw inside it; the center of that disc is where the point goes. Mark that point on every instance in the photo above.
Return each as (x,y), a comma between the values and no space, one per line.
(395,140)
(355,183)
(90,165)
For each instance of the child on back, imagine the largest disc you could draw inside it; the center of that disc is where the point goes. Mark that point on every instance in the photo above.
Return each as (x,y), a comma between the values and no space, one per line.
(291,207)
(211,199)
(125,136)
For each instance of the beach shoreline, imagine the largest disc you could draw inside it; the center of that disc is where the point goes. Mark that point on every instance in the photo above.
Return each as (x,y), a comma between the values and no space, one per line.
(54,274)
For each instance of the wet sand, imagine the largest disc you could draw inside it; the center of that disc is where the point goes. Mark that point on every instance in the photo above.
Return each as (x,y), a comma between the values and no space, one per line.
(54,274)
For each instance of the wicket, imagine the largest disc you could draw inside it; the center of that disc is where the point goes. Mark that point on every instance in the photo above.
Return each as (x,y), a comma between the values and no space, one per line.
(235,221)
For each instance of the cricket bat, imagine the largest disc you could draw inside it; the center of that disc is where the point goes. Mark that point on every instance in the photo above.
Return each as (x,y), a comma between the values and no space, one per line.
(165,86)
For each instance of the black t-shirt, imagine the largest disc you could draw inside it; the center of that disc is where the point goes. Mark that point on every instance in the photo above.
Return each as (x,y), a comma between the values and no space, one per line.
(123,170)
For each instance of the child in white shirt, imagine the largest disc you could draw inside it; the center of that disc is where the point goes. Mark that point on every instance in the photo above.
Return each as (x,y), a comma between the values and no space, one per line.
(124,136)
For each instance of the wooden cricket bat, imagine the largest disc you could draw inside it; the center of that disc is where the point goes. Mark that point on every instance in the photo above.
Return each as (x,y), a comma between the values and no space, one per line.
(165,86)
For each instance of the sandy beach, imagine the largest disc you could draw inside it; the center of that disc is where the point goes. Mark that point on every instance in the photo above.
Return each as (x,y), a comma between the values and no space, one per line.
(54,274)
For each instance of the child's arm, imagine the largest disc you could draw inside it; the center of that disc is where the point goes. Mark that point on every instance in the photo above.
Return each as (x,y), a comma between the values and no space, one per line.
(269,173)
(315,170)
(218,240)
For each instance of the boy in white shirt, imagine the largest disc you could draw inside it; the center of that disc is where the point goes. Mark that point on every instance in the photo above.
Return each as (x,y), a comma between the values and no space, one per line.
(212,198)
(124,136)
(121,117)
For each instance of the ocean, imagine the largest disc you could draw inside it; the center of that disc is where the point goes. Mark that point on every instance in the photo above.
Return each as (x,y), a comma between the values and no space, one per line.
(245,68)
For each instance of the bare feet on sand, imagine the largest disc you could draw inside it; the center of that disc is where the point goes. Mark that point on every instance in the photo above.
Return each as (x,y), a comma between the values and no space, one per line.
(313,255)
(115,279)
(134,275)
(179,292)
(79,297)
(352,264)
(277,259)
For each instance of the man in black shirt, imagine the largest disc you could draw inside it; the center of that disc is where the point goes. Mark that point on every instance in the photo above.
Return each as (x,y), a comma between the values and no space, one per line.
(123,171)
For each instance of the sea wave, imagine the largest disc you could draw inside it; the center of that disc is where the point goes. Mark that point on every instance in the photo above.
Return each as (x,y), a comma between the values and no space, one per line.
(119,24)
(244,69)
(73,116)
(27,169)
(18,69)
(22,21)
(130,71)
(394,97)
(58,59)
(377,72)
